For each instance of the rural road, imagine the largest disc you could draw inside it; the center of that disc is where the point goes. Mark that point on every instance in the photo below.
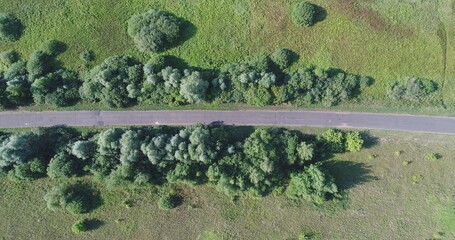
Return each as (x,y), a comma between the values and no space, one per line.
(266,118)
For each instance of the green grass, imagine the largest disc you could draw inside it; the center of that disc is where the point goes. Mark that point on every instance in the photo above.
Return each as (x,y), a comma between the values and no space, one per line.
(382,202)
(386,40)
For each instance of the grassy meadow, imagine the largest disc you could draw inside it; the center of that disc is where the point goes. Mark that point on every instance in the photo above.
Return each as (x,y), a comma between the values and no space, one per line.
(391,192)
(387,40)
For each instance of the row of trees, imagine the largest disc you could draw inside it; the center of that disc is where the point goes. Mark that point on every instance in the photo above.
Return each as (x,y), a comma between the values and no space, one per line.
(122,81)
(221,156)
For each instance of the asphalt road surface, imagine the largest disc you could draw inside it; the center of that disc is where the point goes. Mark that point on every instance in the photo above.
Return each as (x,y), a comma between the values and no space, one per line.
(413,123)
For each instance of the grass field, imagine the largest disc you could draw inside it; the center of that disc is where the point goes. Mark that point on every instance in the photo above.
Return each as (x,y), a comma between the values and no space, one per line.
(387,40)
(385,199)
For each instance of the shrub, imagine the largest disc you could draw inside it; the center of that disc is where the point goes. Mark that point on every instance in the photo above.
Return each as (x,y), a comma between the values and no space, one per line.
(10,28)
(354,142)
(312,185)
(432,157)
(304,14)
(53,47)
(9,57)
(76,198)
(168,201)
(80,226)
(154,31)
(333,140)
(87,56)
(414,90)
(31,170)
(282,57)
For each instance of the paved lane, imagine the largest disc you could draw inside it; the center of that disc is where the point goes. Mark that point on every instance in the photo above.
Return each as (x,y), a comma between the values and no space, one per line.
(267,118)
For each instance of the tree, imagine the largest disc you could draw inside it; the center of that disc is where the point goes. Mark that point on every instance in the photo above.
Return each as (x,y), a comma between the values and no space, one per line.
(64,165)
(130,150)
(17,149)
(39,64)
(312,184)
(56,89)
(333,140)
(10,28)
(116,82)
(354,142)
(84,149)
(304,14)
(154,31)
(193,87)
(305,151)
(30,170)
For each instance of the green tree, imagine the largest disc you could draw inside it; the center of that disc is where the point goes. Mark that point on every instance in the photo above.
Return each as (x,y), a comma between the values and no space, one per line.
(154,31)
(193,87)
(39,64)
(116,82)
(11,28)
(304,14)
(64,165)
(84,149)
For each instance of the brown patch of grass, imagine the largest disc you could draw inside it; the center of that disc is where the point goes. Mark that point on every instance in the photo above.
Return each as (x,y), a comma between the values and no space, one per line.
(351,9)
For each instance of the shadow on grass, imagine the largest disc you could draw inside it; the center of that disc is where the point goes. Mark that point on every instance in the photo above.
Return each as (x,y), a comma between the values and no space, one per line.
(349,174)
(93,224)
(321,14)
(369,140)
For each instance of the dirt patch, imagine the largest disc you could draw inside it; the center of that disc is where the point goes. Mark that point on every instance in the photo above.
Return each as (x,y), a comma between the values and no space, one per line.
(352,9)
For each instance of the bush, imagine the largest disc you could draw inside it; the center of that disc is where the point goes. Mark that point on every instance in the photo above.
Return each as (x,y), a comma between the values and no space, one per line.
(414,90)
(304,14)
(282,57)
(10,28)
(76,198)
(9,57)
(312,185)
(333,140)
(154,31)
(87,56)
(432,157)
(168,201)
(80,226)
(31,170)
(354,142)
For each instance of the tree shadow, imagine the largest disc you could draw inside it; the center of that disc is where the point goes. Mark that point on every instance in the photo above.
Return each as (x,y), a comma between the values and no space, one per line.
(321,14)
(187,32)
(93,224)
(369,140)
(176,62)
(349,174)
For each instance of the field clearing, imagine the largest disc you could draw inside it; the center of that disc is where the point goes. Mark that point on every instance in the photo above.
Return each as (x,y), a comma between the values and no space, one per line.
(387,40)
(385,200)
